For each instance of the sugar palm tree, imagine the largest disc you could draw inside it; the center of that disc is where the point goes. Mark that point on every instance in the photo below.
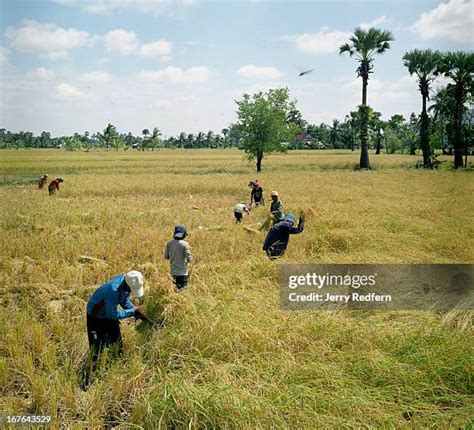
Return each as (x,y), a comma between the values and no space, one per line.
(443,112)
(459,66)
(423,64)
(364,45)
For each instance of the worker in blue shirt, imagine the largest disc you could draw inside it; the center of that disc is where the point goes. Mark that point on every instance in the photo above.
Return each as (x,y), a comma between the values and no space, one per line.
(277,238)
(103,315)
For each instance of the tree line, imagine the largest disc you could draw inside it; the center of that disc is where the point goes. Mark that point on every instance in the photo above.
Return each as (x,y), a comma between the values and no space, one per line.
(270,121)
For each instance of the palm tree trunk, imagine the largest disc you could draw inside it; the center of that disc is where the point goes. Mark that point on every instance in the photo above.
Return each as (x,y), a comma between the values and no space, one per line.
(364,133)
(458,162)
(365,81)
(364,162)
(424,136)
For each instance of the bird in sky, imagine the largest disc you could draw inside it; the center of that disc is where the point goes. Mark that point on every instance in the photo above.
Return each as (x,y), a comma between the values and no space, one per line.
(305,72)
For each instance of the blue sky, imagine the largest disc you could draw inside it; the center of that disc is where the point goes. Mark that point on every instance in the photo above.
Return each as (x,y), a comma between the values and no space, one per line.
(179,65)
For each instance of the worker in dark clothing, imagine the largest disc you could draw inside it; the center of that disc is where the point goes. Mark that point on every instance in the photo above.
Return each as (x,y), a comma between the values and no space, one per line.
(103,326)
(277,238)
(256,195)
(42,182)
(54,185)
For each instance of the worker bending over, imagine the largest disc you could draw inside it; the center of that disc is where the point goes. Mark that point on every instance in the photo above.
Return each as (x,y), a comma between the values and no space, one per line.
(54,185)
(103,315)
(277,238)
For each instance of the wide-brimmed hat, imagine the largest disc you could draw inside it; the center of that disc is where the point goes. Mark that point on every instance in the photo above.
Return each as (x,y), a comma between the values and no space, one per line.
(134,280)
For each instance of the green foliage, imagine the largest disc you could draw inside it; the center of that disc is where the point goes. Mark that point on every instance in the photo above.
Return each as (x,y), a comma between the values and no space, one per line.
(423,64)
(152,140)
(117,143)
(365,113)
(263,122)
(458,66)
(393,143)
(364,44)
(71,143)
(109,135)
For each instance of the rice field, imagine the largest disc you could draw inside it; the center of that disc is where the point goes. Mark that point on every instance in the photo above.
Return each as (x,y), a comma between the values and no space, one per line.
(228,356)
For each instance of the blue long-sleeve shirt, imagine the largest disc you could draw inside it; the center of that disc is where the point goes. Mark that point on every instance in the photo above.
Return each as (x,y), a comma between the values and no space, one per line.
(279,235)
(105,300)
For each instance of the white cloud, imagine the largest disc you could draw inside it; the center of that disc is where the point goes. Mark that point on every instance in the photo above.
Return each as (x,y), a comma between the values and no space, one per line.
(159,48)
(47,40)
(103,60)
(41,73)
(127,43)
(96,77)
(377,22)
(105,7)
(166,59)
(323,42)
(452,20)
(176,75)
(67,91)
(121,41)
(251,71)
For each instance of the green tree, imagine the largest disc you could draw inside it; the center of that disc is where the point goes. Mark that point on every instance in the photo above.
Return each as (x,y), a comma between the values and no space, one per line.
(262,121)
(209,138)
(118,143)
(364,45)
(376,126)
(153,139)
(108,135)
(182,139)
(225,133)
(459,66)
(199,140)
(443,110)
(424,64)
(335,134)
(189,140)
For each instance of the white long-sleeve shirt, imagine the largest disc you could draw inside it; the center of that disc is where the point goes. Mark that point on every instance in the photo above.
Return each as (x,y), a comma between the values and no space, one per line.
(179,254)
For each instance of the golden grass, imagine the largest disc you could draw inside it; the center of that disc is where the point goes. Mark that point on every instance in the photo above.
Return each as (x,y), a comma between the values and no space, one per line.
(228,357)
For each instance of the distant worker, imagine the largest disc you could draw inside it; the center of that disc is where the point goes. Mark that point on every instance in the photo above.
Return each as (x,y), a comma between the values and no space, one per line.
(54,185)
(256,195)
(103,326)
(276,208)
(42,182)
(239,210)
(277,238)
(178,252)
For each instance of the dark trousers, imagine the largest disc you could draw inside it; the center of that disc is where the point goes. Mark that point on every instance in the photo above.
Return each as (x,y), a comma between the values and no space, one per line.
(181,282)
(275,252)
(103,333)
(238,216)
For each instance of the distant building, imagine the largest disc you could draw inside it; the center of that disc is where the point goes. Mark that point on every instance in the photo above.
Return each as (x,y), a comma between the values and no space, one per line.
(306,141)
